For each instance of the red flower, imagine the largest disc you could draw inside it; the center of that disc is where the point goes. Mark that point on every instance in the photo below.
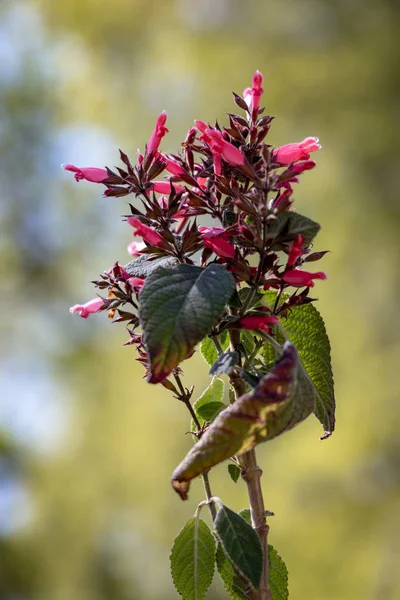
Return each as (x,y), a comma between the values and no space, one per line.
(285,155)
(93,306)
(164,187)
(299,278)
(158,134)
(213,237)
(305,165)
(296,250)
(92,174)
(257,322)
(147,233)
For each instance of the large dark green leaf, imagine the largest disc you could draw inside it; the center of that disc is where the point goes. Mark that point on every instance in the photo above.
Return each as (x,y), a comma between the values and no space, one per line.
(258,416)
(305,328)
(143,265)
(179,305)
(241,544)
(192,560)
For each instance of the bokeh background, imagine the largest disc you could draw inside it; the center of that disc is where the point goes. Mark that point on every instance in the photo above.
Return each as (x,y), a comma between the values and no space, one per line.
(87,447)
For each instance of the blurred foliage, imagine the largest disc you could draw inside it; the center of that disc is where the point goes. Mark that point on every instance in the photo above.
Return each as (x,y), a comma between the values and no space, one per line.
(87,447)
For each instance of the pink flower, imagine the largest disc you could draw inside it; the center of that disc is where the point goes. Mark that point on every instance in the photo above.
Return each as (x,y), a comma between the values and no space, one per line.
(173,167)
(158,134)
(299,278)
(220,147)
(136,282)
(147,233)
(285,155)
(257,322)
(213,237)
(93,306)
(248,97)
(92,174)
(164,187)
(296,250)
(135,248)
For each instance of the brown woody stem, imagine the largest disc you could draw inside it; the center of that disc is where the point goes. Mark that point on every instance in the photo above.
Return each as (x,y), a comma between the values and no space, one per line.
(251,473)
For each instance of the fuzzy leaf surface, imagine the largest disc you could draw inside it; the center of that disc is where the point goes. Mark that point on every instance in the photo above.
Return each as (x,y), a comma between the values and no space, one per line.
(208,350)
(291,224)
(233,583)
(305,328)
(255,417)
(277,575)
(143,266)
(192,560)
(210,404)
(240,543)
(178,306)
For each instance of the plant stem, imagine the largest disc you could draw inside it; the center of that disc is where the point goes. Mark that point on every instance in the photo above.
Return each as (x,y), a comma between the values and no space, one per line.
(185,398)
(251,474)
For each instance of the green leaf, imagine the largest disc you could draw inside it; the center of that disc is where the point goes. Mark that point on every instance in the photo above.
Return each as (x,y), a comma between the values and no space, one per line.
(257,416)
(305,328)
(289,224)
(245,513)
(277,575)
(233,583)
(224,363)
(143,265)
(192,560)
(208,350)
(210,404)
(234,472)
(241,544)
(179,305)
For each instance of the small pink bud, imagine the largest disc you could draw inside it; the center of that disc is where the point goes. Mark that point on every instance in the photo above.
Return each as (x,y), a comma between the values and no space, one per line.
(93,306)
(247,97)
(92,174)
(158,134)
(299,278)
(147,233)
(290,153)
(300,167)
(257,90)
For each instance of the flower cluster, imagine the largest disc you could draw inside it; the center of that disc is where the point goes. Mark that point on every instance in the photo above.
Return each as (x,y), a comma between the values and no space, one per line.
(242,186)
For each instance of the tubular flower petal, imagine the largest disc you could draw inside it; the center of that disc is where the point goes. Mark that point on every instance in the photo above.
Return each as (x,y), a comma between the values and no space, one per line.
(93,306)
(225,149)
(257,322)
(296,250)
(300,167)
(289,153)
(92,174)
(213,237)
(135,248)
(164,187)
(147,233)
(159,131)
(299,278)
(173,167)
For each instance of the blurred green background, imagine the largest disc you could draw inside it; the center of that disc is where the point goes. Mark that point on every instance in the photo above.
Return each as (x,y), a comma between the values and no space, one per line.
(87,447)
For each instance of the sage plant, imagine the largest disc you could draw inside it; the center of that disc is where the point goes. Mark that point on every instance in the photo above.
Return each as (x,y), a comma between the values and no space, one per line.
(221,265)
